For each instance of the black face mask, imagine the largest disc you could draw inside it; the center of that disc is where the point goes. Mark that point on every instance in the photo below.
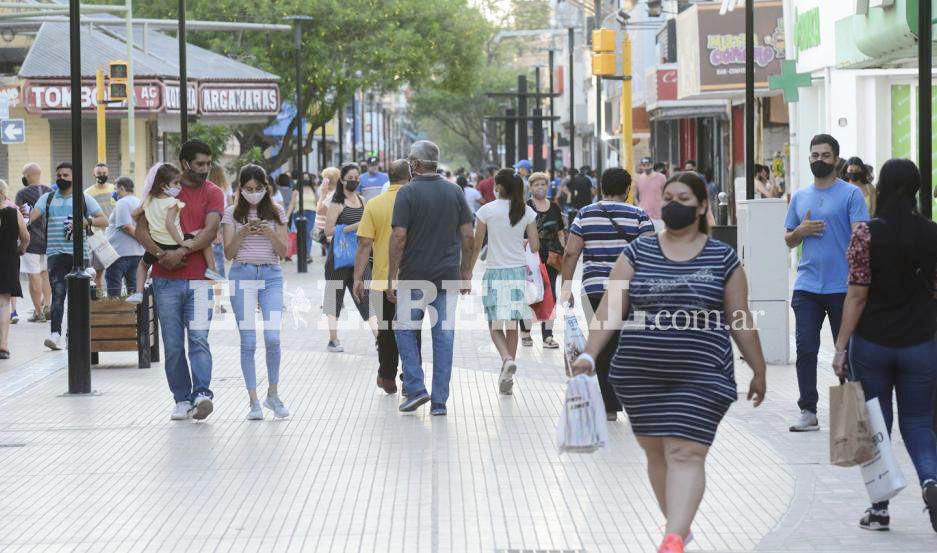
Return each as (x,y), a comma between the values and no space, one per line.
(196,176)
(854,177)
(821,169)
(351,185)
(678,216)
(25,182)
(101,179)
(63,184)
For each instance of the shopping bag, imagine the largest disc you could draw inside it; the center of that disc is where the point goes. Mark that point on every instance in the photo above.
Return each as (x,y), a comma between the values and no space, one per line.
(292,249)
(543,309)
(574,341)
(533,286)
(582,427)
(344,247)
(882,475)
(850,433)
(102,249)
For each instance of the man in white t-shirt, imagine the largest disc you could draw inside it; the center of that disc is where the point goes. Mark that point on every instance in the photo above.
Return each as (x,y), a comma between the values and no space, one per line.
(120,233)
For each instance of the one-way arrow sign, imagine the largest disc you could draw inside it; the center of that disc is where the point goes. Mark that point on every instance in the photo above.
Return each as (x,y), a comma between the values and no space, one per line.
(12,131)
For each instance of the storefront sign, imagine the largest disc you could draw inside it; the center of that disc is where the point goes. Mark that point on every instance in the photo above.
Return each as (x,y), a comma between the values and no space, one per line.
(172,96)
(253,99)
(711,48)
(807,29)
(666,84)
(56,96)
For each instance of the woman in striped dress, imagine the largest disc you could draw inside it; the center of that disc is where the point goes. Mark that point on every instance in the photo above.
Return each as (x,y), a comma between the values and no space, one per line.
(346,208)
(673,369)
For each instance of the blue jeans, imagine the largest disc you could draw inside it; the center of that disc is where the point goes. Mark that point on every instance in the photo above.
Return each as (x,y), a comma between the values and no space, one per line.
(124,270)
(809,311)
(407,330)
(253,283)
(218,251)
(185,308)
(59,266)
(911,373)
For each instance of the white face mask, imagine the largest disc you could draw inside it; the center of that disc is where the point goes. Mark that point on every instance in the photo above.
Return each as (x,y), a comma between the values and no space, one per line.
(173,192)
(253,198)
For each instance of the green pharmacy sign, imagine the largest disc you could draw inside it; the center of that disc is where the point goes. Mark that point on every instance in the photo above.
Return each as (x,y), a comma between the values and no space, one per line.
(807,29)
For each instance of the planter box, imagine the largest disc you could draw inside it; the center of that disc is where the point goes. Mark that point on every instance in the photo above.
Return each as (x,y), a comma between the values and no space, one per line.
(120,326)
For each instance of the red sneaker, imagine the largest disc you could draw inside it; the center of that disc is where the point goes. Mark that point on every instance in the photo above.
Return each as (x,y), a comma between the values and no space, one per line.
(672,544)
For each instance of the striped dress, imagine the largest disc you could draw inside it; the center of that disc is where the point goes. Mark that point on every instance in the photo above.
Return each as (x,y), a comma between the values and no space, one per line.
(674,372)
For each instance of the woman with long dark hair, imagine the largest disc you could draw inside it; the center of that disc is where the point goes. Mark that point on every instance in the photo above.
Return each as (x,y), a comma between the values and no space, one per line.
(346,208)
(889,321)
(856,173)
(506,222)
(255,239)
(673,370)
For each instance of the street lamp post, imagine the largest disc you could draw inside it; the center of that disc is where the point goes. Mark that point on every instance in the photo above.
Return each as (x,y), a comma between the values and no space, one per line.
(79,281)
(925,65)
(341,135)
(552,128)
(183,79)
(354,126)
(566,16)
(750,100)
(302,255)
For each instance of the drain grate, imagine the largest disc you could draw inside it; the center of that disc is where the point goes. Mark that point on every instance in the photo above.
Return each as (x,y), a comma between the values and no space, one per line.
(12,445)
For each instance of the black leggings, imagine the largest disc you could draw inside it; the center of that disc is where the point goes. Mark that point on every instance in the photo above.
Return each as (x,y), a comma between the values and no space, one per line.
(337,281)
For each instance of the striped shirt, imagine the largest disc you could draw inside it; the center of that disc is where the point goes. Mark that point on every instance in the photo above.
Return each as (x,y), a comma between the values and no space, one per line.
(603,242)
(256,249)
(60,213)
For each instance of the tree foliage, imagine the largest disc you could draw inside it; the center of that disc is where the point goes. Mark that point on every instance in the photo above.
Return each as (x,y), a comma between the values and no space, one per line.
(378,45)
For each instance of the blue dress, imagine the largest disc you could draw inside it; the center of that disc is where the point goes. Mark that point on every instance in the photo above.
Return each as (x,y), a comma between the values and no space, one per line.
(674,371)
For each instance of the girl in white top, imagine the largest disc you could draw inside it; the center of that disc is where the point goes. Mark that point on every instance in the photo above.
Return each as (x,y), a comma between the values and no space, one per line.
(506,221)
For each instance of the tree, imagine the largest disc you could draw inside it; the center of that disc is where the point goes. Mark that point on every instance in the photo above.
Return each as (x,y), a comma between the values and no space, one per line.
(378,45)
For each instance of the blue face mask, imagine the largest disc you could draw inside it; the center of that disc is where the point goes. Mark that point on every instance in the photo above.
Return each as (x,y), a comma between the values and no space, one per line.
(115,196)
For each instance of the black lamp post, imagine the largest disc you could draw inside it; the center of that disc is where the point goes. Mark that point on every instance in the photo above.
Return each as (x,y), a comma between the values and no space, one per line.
(302,255)
(183,79)
(567,16)
(750,100)
(925,64)
(79,281)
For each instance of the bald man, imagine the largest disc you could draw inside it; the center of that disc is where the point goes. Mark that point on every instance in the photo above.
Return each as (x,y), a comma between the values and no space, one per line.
(33,262)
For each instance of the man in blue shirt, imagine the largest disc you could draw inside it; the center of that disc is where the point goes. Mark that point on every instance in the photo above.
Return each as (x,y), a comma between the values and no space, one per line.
(372,181)
(58,231)
(820,219)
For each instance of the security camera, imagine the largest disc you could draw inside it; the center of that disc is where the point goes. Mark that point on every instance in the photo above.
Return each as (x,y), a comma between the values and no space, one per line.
(622,17)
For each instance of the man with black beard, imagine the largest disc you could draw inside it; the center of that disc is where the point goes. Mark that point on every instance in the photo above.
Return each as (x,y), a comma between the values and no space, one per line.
(821,218)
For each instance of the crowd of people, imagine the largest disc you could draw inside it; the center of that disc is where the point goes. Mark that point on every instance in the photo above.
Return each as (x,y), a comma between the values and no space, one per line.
(665,300)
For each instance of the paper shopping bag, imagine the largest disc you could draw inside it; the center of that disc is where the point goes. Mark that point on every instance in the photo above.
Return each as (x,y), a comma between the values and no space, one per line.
(850,434)
(882,475)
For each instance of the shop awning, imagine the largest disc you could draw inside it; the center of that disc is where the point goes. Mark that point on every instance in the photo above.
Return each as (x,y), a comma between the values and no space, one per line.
(688,112)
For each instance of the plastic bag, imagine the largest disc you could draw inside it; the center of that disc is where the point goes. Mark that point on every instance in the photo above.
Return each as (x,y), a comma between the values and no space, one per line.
(543,310)
(344,248)
(582,427)
(574,341)
(533,287)
(882,475)
(102,249)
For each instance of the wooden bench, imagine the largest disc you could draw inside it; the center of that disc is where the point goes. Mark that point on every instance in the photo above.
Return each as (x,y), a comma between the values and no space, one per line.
(120,326)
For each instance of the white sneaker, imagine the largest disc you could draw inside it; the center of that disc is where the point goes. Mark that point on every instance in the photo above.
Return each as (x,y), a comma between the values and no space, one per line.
(256,413)
(806,423)
(136,297)
(276,405)
(506,380)
(335,347)
(54,341)
(203,407)
(182,411)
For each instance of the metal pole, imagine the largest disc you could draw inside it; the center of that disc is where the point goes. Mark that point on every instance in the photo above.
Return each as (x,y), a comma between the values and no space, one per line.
(183,79)
(598,126)
(572,113)
(552,128)
(100,116)
(750,100)
(925,97)
(522,121)
(510,138)
(537,126)
(627,115)
(79,282)
(341,135)
(131,96)
(354,126)
(302,255)
(322,139)
(373,116)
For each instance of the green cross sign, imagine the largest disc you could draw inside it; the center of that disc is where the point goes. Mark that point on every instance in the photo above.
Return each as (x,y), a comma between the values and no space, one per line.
(789,81)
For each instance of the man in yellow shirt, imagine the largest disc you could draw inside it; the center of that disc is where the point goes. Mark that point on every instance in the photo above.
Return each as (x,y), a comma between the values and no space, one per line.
(374,238)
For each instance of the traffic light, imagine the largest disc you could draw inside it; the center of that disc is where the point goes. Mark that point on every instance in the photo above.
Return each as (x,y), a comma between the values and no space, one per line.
(118,73)
(603,53)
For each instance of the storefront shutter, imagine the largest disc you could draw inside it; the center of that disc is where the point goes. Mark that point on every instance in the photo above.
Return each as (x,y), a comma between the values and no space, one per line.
(61,130)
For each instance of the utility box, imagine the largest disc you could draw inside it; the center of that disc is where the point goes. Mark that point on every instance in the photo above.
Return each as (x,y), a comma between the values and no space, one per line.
(764,255)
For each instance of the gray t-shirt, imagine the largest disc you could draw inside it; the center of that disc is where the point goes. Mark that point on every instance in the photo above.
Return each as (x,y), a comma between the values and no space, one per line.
(124,244)
(431,209)
(30,195)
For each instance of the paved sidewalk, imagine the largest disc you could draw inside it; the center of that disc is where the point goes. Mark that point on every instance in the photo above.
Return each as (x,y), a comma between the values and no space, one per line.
(347,472)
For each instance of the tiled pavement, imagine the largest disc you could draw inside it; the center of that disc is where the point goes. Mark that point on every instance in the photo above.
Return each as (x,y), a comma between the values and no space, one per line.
(347,472)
